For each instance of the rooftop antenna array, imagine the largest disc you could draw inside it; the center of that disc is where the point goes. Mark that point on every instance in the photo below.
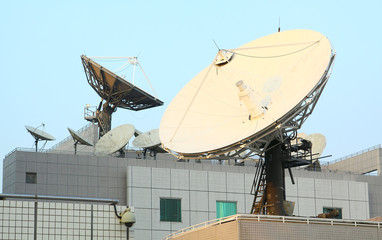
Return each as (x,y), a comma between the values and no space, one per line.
(78,139)
(251,101)
(39,135)
(115,92)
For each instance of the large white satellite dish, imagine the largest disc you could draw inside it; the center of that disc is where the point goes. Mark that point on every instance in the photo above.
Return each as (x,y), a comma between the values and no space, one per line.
(253,98)
(78,139)
(39,135)
(249,95)
(114,140)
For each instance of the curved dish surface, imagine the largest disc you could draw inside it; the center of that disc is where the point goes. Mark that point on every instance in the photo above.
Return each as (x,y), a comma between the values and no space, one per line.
(280,70)
(78,138)
(318,143)
(114,140)
(147,139)
(37,133)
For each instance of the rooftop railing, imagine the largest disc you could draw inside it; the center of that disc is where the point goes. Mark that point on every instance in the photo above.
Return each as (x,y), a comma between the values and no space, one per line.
(354,154)
(273,218)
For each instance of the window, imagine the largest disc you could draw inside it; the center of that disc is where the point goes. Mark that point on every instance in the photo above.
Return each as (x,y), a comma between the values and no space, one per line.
(31,177)
(224,209)
(333,212)
(170,210)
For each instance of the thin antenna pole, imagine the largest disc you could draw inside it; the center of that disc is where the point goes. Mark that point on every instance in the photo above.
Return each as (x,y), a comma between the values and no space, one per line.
(111,57)
(147,79)
(135,64)
(216,45)
(124,65)
(279,24)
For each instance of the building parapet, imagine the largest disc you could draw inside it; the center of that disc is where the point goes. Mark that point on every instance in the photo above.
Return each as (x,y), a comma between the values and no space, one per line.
(354,154)
(273,218)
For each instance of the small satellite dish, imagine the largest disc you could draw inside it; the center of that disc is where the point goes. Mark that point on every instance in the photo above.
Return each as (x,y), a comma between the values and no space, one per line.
(114,140)
(318,143)
(149,141)
(39,135)
(78,139)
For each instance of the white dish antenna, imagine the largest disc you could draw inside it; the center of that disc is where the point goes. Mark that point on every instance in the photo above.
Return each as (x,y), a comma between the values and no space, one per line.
(318,143)
(39,135)
(148,139)
(78,139)
(248,96)
(114,140)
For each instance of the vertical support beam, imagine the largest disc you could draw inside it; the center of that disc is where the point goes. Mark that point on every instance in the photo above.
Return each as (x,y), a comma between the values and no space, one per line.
(35,220)
(275,179)
(91,222)
(36,143)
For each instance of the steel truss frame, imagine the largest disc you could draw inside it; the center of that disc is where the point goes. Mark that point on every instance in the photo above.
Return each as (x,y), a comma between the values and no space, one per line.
(132,98)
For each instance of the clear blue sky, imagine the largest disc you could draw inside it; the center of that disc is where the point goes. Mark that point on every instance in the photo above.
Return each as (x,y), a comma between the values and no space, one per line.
(42,78)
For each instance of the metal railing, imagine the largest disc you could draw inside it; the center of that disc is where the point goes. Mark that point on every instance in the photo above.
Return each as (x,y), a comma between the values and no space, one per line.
(353,154)
(32,213)
(81,153)
(9,196)
(21,149)
(273,218)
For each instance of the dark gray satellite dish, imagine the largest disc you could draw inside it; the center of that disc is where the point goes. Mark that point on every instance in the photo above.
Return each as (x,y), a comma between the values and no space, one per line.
(78,139)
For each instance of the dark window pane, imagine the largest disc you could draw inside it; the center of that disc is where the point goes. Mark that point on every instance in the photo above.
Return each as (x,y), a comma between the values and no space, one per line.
(170,210)
(31,177)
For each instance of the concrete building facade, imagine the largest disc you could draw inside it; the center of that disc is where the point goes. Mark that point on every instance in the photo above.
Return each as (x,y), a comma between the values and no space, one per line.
(146,184)
(364,162)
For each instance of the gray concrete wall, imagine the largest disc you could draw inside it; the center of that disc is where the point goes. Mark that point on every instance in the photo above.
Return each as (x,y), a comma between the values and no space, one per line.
(363,162)
(199,189)
(374,185)
(141,182)
(66,175)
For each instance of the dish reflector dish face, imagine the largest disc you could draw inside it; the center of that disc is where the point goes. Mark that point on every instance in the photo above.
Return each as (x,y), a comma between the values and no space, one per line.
(279,71)
(114,140)
(38,134)
(147,139)
(318,143)
(78,138)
